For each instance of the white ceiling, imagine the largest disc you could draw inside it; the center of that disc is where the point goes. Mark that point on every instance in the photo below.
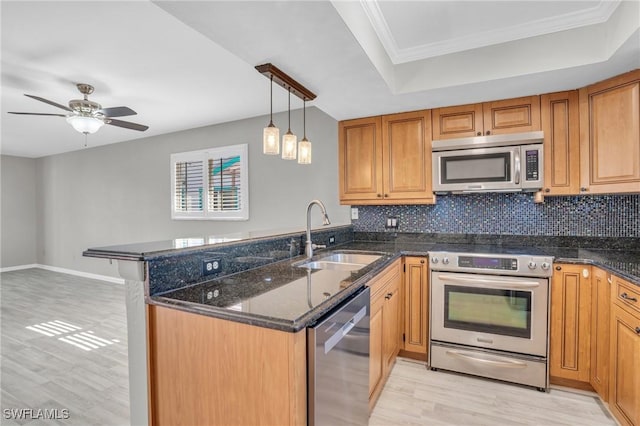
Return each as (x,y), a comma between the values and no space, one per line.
(185,64)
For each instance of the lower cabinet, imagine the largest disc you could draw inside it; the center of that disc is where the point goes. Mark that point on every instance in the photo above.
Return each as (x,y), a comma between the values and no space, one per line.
(210,371)
(416,302)
(600,328)
(385,328)
(624,373)
(569,342)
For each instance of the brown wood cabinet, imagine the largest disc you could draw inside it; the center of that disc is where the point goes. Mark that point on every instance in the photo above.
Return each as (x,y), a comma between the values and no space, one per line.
(416,302)
(384,338)
(201,368)
(600,328)
(489,118)
(624,375)
(386,160)
(360,159)
(569,346)
(610,135)
(561,127)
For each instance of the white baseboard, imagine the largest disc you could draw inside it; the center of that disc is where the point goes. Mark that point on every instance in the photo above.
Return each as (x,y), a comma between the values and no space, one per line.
(65,271)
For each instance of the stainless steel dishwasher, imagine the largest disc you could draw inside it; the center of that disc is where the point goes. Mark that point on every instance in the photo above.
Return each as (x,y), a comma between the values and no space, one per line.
(338,365)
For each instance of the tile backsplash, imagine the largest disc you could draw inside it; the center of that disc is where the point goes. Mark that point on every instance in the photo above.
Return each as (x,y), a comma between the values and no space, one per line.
(513,214)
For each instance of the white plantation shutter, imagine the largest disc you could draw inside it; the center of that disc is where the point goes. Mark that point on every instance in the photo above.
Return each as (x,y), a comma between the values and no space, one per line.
(211,184)
(189,187)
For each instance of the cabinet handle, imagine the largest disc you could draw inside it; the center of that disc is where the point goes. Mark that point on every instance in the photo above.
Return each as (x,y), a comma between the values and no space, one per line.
(479,134)
(379,195)
(488,132)
(558,268)
(637,330)
(625,296)
(388,296)
(583,189)
(386,195)
(547,190)
(422,261)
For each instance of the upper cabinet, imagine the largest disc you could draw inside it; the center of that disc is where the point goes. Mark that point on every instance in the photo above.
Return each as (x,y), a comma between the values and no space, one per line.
(386,160)
(561,127)
(610,135)
(489,118)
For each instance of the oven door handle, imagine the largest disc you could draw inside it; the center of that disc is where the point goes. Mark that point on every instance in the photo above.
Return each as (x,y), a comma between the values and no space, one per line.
(497,283)
(497,362)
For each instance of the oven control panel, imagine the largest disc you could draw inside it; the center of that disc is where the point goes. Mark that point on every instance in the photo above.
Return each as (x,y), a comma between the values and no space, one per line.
(482,262)
(500,264)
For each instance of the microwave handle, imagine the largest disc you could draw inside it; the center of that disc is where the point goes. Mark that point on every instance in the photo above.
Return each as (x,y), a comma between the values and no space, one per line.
(517,166)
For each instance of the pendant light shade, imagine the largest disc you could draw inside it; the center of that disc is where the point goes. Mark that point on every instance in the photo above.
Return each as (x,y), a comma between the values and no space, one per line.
(271,134)
(304,147)
(289,140)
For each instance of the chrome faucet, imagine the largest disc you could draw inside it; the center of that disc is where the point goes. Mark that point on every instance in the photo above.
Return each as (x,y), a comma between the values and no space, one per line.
(325,221)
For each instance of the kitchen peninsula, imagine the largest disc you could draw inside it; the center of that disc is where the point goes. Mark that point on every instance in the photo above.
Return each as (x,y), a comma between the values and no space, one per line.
(258,311)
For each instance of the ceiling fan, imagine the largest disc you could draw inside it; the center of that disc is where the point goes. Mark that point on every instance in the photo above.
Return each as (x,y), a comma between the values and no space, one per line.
(87,116)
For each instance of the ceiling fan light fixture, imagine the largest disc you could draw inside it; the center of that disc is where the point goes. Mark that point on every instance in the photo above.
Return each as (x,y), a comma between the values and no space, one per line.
(84,124)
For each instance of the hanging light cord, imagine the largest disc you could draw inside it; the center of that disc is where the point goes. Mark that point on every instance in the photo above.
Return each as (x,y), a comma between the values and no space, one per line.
(304,118)
(271,111)
(289,110)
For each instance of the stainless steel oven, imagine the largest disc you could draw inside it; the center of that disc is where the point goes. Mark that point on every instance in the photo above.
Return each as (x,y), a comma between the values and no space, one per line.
(490,315)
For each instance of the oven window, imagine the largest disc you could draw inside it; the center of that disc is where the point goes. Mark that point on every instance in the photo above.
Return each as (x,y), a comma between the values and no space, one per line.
(477,168)
(487,310)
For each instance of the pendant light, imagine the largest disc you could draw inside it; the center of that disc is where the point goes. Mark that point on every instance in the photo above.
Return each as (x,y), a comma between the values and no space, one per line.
(304,147)
(289,140)
(271,134)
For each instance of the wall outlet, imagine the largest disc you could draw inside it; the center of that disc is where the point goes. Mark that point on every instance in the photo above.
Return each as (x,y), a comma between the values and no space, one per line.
(211,266)
(332,240)
(392,222)
(354,213)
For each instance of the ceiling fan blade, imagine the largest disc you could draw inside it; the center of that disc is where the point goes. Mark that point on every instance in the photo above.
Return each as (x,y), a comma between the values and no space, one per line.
(126,124)
(121,111)
(36,113)
(46,101)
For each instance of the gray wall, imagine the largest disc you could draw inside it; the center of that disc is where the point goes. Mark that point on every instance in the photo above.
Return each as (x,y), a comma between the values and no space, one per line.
(120,193)
(18,216)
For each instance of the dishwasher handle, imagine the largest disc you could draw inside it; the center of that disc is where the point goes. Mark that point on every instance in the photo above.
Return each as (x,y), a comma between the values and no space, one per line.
(344,330)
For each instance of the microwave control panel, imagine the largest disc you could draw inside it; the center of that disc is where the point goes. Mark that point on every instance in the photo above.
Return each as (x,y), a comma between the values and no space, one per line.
(532,164)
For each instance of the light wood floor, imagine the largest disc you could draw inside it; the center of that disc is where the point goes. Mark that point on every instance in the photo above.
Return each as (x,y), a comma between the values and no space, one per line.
(86,372)
(44,372)
(416,396)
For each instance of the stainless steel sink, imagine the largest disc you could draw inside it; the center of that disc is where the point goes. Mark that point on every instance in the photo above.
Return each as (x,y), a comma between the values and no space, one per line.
(341,261)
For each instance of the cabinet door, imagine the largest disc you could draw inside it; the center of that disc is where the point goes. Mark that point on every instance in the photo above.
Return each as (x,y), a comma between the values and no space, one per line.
(407,157)
(624,388)
(457,122)
(600,327)
(512,115)
(569,349)
(416,302)
(390,323)
(375,344)
(610,135)
(560,124)
(360,160)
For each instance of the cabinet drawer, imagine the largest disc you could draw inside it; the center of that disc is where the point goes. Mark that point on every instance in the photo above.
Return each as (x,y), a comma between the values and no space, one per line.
(380,281)
(627,295)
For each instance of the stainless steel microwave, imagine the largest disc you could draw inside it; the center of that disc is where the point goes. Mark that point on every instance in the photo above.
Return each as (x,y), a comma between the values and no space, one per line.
(497,163)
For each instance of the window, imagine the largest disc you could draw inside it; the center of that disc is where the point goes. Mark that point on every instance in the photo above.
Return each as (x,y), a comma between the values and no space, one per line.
(210,184)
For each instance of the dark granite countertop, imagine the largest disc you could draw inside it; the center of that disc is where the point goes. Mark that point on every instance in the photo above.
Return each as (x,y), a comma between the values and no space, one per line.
(280,295)
(286,297)
(148,250)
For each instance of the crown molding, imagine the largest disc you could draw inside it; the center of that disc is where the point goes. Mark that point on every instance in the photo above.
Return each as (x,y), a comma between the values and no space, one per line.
(595,15)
